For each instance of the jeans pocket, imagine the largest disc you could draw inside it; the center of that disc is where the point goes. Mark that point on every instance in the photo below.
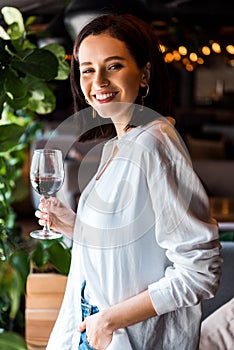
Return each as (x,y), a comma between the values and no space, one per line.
(84,345)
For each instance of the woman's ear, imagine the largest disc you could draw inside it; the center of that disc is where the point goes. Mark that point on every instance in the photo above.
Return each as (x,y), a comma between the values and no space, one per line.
(145,75)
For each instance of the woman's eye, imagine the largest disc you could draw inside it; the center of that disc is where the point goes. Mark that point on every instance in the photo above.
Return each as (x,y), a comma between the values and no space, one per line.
(86,71)
(115,66)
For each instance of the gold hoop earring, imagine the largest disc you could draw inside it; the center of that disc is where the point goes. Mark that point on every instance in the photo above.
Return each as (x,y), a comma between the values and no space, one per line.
(87,101)
(143,97)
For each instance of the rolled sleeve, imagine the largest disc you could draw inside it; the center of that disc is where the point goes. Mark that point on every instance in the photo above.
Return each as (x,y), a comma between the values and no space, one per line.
(184,228)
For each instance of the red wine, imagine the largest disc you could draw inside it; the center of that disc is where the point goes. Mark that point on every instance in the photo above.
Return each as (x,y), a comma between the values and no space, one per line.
(46,185)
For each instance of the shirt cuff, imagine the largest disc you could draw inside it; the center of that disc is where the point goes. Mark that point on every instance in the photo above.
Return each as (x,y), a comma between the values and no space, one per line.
(160,295)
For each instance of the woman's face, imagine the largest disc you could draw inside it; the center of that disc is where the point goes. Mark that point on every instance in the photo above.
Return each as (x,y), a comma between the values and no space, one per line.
(108,71)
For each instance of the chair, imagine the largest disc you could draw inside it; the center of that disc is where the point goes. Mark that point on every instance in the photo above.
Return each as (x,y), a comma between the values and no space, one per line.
(226,288)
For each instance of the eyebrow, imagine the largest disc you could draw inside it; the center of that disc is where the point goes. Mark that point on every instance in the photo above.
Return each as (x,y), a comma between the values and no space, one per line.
(108,59)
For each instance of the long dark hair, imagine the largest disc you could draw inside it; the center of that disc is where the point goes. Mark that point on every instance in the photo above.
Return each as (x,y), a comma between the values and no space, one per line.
(142,43)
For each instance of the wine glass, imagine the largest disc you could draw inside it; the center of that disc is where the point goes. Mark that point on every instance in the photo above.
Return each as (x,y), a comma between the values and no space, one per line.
(46,176)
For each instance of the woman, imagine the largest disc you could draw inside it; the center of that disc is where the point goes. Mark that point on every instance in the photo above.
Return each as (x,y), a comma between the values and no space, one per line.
(145,249)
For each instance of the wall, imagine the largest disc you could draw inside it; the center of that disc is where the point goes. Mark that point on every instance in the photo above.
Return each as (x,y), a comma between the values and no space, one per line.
(209,80)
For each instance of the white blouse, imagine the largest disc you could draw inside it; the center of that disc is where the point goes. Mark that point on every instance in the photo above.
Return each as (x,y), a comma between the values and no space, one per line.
(143,222)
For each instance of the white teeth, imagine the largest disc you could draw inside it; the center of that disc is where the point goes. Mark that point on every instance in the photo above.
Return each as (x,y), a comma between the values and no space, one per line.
(104,96)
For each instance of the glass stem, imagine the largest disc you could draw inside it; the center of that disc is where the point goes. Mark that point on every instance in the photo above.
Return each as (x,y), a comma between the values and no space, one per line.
(46,228)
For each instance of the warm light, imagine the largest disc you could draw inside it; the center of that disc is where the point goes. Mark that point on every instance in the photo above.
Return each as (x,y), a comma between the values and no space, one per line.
(216,47)
(169,57)
(230,49)
(193,57)
(162,48)
(189,67)
(68,57)
(200,60)
(185,61)
(225,207)
(206,50)
(231,62)
(176,55)
(182,50)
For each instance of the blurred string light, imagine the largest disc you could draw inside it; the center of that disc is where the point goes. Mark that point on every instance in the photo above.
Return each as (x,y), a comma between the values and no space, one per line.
(191,59)
(216,47)
(176,55)
(193,55)
(182,50)
(230,49)
(205,50)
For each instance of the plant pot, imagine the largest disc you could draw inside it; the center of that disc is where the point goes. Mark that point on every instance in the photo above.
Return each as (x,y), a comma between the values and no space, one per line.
(44,296)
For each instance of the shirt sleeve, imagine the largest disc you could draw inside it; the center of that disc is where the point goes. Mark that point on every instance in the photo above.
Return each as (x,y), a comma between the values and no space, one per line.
(183,227)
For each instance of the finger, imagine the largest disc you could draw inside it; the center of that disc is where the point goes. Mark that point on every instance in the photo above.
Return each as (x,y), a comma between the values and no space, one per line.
(82,327)
(38,214)
(52,201)
(43,207)
(42,200)
(41,215)
(45,203)
(42,222)
(43,218)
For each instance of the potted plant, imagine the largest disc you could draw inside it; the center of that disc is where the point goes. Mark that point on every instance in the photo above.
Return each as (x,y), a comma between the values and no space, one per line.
(26,90)
(12,341)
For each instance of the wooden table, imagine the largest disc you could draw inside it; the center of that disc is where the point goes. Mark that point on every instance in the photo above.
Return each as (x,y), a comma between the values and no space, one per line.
(222,209)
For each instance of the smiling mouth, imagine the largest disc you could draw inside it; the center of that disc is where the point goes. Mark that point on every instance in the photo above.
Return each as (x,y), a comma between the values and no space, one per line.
(105,97)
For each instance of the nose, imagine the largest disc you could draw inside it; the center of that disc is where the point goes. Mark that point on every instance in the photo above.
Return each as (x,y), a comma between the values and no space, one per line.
(100,79)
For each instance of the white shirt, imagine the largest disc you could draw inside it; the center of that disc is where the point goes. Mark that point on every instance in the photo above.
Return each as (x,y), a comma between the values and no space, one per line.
(144,224)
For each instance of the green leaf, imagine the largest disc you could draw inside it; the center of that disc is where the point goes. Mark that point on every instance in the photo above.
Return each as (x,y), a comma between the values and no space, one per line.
(12,341)
(11,284)
(28,45)
(40,63)
(42,101)
(15,288)
(13,85)
(2,100)
(2,81)
(39,256)
(3,34)
(14,19)
(22,54)
(20,261)
(9,136)
(60,257)
(17,103)
(59,52)
(2,91)
(29,21)
(21,190)
(33,130)
(4,55)
(16,119)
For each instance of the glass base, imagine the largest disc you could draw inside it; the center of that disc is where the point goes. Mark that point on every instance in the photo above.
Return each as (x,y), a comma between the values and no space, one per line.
(40,234)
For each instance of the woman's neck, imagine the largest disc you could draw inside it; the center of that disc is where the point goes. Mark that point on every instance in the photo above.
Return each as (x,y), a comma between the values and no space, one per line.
(123,119)
(121,130)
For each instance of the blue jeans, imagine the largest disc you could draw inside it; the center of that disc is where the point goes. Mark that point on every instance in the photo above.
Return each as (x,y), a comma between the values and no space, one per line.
(87,310)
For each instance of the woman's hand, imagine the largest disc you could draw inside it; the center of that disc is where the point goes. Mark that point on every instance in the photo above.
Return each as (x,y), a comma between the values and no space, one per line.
(60,217)
(101,326)
(98,331)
